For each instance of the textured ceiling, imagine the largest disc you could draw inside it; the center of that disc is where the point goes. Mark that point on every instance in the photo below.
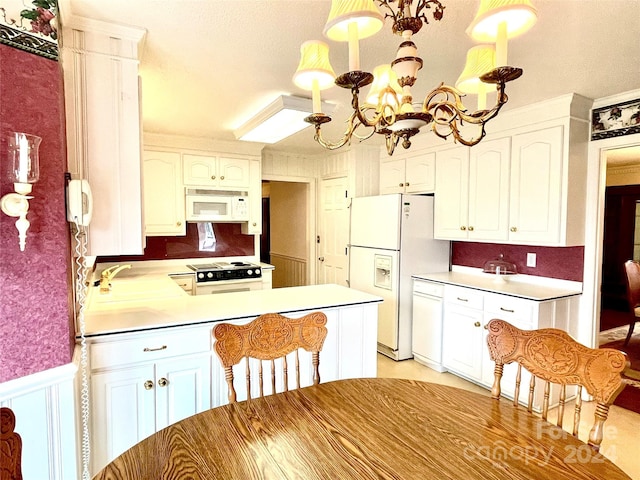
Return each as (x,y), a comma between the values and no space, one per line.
(208,64)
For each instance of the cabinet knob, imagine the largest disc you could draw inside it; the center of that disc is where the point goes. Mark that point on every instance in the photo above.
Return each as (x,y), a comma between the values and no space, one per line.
(213,177)
(471,229)
(148,385)
(255,224)
(222,177)
(406,184)
(401,184)
(321,259)
(178,224)
(513,229)
(163,382)
(462,227)
(477,324)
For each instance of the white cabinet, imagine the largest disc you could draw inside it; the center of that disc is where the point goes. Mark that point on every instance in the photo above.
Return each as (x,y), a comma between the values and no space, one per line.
(254,225)
(472,192)
(466,313)
(164,212)
(141,384)
(100,67)
(426,339)
(536,203)
(462,332)
(222,172)
(413,174)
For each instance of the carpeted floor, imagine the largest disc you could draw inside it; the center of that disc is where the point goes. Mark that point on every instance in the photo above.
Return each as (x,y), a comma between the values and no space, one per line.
(630,396)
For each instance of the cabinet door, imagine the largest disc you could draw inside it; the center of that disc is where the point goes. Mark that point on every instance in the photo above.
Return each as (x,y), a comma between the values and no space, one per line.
(489,190)
(123,411)
(536,187)
(462,347)
(451,201)
(164,212)
(233,172)
(392,175)
(420,173)
(183,388)
(200,170)
(254,225)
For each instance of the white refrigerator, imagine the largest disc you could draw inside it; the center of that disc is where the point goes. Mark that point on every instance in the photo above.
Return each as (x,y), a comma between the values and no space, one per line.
(391,238)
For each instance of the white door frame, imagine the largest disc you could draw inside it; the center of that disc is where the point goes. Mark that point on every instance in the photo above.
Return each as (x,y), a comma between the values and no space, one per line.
(589,326)
(311,218)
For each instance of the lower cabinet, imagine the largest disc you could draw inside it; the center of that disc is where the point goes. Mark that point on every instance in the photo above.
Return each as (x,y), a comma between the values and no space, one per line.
(466,313)
(141,385)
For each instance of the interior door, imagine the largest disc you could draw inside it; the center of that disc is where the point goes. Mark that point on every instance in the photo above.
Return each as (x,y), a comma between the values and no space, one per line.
(333,254)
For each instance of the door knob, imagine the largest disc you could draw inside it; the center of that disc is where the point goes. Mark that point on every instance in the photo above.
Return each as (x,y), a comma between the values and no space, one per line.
(163,382)
(148,385)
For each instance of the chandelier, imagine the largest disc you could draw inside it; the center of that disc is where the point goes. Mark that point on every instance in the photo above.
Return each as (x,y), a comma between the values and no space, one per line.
(388,109)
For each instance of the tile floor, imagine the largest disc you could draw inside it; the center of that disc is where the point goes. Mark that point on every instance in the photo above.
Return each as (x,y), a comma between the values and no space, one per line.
(621,442)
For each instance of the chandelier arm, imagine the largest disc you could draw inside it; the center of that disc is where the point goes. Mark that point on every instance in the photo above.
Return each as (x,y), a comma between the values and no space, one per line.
(353,124)
(437,14)
(451,109)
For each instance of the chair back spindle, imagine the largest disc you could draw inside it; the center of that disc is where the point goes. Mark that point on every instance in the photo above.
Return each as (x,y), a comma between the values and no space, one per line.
(552,356)
(270,337)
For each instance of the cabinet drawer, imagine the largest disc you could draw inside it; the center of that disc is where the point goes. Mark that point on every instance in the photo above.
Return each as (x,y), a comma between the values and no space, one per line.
(428,288)
(510,309)
(465,297)
(150,347)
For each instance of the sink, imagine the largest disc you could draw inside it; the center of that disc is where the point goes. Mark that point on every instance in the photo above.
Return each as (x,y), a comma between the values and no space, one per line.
(138,289)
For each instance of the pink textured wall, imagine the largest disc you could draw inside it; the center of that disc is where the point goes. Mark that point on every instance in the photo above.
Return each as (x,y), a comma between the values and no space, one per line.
(36,331)
(566,263)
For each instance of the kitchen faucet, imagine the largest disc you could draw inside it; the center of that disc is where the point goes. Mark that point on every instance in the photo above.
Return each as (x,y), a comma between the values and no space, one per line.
(107,275)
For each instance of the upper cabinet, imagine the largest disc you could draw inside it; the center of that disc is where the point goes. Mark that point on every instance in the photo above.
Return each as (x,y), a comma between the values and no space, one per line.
(408,174)
(525,185)
(102,102)
(216,171)
(164,206)
(472,191)
(170,167)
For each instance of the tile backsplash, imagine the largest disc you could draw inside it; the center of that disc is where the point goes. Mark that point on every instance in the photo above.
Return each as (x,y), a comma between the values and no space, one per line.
(565,263)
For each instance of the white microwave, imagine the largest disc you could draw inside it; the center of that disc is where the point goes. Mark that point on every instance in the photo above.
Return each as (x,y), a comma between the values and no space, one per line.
(206,205)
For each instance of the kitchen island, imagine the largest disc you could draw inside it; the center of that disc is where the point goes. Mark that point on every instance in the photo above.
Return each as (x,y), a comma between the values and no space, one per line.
(151,361)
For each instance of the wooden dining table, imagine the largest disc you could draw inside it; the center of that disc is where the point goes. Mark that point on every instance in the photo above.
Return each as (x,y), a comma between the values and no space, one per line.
(370,428)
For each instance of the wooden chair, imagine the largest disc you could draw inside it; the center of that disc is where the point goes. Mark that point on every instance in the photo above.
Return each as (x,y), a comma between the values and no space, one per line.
(269,337)
(10,447)
(632,270)
(554,357)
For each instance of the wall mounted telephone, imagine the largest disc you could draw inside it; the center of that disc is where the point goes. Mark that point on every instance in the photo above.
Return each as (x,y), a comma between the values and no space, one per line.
(79,202)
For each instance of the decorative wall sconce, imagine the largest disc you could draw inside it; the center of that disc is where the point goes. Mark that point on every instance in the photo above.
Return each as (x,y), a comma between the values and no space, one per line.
(24,170)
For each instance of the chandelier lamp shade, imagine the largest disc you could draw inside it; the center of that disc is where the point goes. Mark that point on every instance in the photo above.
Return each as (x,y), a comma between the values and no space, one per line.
(389,108)
(481,59)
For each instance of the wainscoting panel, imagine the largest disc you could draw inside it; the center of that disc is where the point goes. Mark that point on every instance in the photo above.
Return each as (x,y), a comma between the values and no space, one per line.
(289,271)
(44,405)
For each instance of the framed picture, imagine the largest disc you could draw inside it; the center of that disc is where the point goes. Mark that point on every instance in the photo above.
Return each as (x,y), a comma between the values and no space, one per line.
(615,120)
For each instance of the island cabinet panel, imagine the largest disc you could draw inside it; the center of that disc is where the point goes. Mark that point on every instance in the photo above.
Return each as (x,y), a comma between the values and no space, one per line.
(146,380)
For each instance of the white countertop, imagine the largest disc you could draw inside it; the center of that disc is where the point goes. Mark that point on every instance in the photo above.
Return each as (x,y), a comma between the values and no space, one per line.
(171,306)
(522,286)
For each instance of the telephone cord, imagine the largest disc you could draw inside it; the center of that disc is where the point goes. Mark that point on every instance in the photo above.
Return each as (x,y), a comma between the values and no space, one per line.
(81,290)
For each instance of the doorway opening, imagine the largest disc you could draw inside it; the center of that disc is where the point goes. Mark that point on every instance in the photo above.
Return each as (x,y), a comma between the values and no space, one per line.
(286,231)
(621,233)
